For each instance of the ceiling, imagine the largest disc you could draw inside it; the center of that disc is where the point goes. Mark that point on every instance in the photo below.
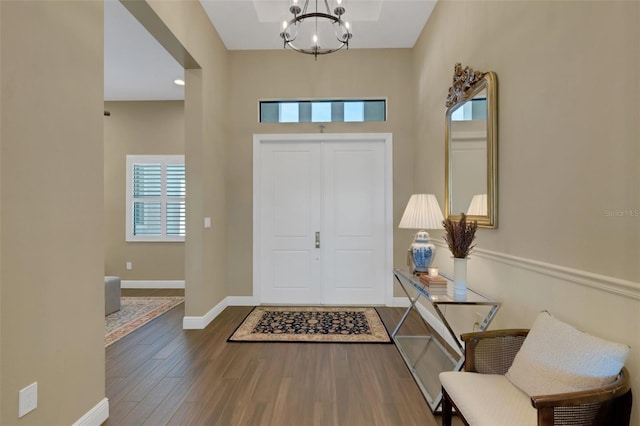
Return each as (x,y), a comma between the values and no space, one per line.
(137,67)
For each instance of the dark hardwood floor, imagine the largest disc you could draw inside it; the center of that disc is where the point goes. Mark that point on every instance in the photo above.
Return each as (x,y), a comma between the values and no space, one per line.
(152,292)
(163,375)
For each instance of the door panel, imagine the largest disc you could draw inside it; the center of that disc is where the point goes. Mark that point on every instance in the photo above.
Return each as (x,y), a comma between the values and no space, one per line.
(354,267)
(335,188)
(353,204)
(290,190)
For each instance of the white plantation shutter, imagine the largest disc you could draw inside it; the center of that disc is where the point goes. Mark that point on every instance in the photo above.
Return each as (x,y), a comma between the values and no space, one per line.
(156,198)
(147,191)
(176,218)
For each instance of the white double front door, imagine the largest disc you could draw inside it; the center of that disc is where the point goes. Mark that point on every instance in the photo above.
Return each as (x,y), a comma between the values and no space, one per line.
(322,222)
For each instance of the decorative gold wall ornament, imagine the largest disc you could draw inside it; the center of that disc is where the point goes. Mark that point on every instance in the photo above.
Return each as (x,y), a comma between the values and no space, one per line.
(463,82)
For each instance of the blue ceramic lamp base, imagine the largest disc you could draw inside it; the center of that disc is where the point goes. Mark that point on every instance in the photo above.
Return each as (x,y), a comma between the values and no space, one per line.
(423,251)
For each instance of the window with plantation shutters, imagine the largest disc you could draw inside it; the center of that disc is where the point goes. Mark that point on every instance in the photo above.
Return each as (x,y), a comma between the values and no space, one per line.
(155,198)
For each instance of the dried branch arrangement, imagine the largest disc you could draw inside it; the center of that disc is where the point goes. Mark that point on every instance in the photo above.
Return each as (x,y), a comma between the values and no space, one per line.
(460,235)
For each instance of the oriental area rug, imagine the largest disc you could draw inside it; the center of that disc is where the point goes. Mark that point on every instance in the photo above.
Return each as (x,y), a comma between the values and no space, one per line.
(134,313)
(312,324)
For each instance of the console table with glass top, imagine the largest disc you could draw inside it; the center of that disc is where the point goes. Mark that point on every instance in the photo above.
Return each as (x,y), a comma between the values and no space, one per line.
(427,355)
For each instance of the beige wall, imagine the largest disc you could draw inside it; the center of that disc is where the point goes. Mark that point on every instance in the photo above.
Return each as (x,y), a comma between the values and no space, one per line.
(206,136)
(259,75)
(568,133)
(568,151)
(138,128)
(567,123)
(52,310)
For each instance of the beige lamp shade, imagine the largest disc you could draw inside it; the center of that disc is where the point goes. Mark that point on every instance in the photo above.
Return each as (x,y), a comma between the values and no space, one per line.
(422,212)
(478,205)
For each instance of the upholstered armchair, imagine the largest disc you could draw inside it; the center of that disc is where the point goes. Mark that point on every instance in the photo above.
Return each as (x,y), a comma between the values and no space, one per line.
(573,384)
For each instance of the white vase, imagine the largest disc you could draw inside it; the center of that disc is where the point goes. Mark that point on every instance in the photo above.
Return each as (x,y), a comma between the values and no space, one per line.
(459,278)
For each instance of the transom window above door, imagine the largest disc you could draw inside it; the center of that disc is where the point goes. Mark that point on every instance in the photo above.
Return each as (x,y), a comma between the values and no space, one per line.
(323,111)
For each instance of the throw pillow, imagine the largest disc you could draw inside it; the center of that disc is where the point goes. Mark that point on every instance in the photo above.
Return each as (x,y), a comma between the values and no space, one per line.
(557,358)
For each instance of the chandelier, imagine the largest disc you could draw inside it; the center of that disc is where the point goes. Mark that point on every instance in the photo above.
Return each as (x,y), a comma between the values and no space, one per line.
(325,32)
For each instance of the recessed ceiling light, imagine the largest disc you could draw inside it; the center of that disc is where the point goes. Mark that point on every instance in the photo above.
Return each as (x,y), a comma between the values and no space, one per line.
(179,82)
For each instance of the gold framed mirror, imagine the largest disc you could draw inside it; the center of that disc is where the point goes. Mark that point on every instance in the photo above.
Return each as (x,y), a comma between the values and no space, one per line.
(471,147)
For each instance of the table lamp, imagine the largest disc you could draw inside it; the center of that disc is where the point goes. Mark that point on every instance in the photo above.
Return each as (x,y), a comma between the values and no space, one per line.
(422,212)
(478,206)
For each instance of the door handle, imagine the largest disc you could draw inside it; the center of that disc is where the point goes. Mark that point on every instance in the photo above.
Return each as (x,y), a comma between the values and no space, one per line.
(317,239)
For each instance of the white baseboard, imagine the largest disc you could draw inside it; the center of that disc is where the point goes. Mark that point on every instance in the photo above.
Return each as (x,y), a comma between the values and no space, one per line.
(96,416)
(199,323)
(151,284)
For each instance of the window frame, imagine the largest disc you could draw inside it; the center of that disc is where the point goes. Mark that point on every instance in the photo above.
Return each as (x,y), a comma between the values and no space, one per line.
(163,160)
(310,101)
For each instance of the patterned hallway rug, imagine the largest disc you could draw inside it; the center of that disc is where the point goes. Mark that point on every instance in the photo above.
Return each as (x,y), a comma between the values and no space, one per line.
(312,324)
(134,313)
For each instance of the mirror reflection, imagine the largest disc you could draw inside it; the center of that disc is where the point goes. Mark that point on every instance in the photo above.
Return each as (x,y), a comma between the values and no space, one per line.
(468,155)
(471,142)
